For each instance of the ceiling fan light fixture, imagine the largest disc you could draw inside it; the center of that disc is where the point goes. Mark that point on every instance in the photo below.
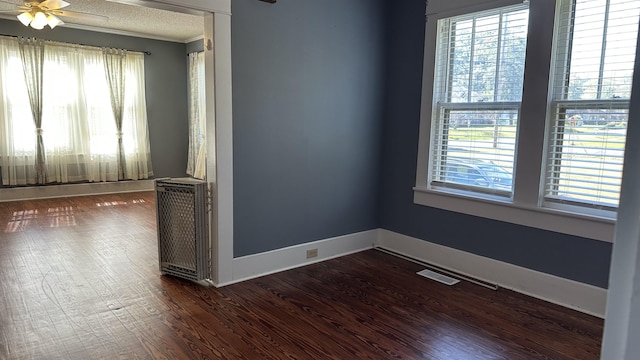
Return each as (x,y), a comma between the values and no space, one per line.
(39,14)
(53,21)
(25,18)
(39,21)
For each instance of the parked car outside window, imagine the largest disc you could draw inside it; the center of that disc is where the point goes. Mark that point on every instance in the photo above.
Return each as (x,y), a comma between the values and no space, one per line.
(479,173)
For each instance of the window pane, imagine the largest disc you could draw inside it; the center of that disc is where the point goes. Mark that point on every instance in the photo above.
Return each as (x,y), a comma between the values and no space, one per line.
(101,123)
(594,62)
(23,133)
(460,67)
(485,54)
(586,47)
(478,88)
(588,156)
(512,54)
(61,91)
(478,142)
(601,49)
(620,53)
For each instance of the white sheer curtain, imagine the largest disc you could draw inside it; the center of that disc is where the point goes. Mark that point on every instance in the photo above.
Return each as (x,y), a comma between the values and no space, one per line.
(32,56)
(78,127)
(65,131)
(17,138)
(114,72)
(196,163)
(134,121)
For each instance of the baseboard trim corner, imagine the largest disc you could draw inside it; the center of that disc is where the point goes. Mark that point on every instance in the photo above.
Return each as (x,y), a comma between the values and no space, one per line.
(582,297)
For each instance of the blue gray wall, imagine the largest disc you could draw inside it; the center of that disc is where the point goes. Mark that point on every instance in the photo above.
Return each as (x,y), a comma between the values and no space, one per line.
(566,256)
(166,88)
(307,114)
(326,105)
(195,46)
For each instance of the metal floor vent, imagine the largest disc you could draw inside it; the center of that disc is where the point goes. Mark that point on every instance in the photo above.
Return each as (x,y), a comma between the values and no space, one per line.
(438,277)
(439,270)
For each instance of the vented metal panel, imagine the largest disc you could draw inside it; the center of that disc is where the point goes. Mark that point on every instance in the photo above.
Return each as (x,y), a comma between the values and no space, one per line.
(448,280)
(183,242)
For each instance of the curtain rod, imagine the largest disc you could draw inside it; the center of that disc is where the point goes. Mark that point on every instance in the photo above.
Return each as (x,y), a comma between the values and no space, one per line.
(16,36)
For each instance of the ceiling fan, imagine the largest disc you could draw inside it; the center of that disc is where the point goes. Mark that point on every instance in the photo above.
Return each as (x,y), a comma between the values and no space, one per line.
(48,12)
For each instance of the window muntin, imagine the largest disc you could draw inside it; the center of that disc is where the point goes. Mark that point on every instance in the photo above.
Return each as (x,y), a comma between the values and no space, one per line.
(595,53)
(477,93)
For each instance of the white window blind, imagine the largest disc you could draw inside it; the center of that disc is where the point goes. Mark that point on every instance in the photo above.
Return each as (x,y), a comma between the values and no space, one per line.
(591,86)
(477,94)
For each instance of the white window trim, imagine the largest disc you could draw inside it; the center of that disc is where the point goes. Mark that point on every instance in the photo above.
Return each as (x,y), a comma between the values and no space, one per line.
(525,207)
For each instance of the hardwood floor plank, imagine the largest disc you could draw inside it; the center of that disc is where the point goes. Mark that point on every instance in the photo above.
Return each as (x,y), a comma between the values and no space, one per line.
(79,279)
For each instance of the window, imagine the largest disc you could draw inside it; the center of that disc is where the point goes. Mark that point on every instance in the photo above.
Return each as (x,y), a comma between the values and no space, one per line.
(196,160)
(595,53)
(478,88)
(524,113)
(78,129)
(18,106)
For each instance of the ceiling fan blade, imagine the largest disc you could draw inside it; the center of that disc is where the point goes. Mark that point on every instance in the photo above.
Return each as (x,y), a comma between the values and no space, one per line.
(12,3)
(79,15)
(16,7)
(16,12)
(53,4)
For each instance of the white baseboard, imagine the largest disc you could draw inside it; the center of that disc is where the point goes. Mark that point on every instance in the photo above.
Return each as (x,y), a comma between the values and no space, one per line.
(585,298)
(68,190)
(572,294)
(252,266)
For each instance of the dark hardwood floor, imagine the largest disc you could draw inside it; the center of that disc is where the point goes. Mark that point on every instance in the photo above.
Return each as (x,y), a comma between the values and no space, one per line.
(79,279)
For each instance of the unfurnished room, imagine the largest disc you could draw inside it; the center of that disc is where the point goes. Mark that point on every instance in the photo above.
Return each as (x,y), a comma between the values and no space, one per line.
(319,179)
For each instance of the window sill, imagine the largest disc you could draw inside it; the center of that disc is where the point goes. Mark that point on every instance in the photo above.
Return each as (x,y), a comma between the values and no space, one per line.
(503,209)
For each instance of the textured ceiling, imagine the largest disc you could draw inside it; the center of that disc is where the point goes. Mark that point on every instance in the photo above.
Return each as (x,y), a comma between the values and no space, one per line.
(129,20)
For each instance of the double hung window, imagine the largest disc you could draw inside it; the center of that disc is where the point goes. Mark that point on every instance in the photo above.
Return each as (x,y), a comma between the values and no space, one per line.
(525,125)
(595,53)
(477,95)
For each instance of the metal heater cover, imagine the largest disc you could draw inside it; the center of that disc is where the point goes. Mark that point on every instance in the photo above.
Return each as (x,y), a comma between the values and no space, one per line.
(183,241)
